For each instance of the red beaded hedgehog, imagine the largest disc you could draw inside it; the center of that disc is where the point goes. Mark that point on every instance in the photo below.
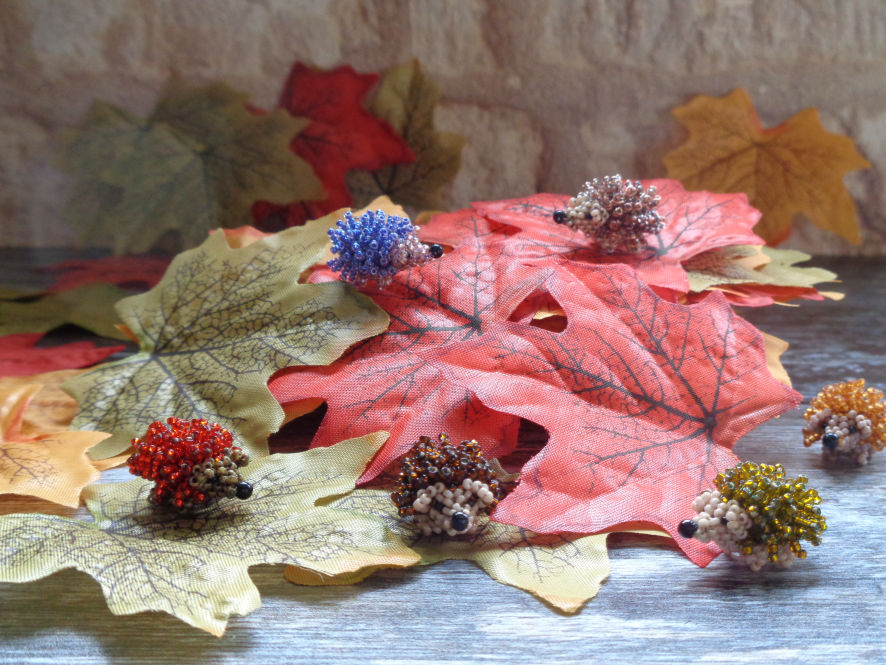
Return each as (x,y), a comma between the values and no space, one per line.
(192,463)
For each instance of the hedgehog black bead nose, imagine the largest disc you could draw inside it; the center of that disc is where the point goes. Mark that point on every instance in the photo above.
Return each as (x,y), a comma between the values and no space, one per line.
(460,521)
(560,216)
(244,490)
(830,441)
(687,528)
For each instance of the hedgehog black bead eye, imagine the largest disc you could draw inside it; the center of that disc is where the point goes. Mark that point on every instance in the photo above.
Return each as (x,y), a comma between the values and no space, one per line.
(687,528)
(460,521)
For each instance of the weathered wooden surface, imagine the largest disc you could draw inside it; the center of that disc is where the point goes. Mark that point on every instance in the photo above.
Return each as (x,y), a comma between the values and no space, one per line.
(656,607)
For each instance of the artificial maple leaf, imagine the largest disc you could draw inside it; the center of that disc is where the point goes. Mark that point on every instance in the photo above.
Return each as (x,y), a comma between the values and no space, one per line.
(20,357)
(755,277)
(564,571)
(797,167)
(383,380)
(694,222)
(406,99)
(218,324)
(199,161)
(642,399)
(90,307)
(341,136)
(51,409)
(196,567)
(141,272)
(52,465)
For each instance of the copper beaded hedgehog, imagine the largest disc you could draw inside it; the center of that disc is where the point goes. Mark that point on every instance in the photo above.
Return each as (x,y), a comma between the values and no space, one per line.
(757,515)
(192,463)
(618,214)
(849,420)
(444,487)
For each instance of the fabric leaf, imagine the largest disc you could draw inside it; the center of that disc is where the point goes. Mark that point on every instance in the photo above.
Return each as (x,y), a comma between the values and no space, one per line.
(196,567)
(51,465)
(642,399)
(141,272)
(199,161)
(797,167)
(384,380)
(218,324)
(406,99)
(90,307)
(20,357)
(694,222)
(565,571)
(341,136)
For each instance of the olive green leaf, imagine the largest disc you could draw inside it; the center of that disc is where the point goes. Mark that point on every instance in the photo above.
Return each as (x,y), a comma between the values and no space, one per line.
(565,571)
(212,332)
(406,99)
(198,162)
(90,307)
(196,567)
(747,264)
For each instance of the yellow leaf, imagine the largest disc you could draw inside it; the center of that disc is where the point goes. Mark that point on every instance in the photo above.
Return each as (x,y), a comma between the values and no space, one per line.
(775,347)
(52,465)
(196,567)
(797,167)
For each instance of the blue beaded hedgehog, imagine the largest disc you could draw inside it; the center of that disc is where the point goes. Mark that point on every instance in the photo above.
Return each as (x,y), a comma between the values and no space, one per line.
(376,246)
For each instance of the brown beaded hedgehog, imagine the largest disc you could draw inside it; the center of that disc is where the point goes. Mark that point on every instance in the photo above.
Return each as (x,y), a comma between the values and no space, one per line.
(444,487)
(849,420)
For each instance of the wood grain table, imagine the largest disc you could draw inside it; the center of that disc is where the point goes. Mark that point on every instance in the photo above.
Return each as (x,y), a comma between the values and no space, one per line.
(656,607)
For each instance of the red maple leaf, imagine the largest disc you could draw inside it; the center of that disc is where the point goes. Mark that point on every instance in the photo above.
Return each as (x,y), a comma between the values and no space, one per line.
(643,400)
(383,383)
(694,222)
(124,271)
(342,136)
(19,356)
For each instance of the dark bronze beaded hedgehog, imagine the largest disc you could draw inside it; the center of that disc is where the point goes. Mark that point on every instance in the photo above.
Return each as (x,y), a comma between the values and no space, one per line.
(444,487)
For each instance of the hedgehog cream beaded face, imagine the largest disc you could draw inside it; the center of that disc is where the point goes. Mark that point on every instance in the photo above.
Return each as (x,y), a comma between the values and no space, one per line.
(617,214)
(377,246)
(446,487)
(757,515)
(849,420)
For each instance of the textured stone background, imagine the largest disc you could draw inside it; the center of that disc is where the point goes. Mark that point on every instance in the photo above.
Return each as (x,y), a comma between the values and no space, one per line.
(547,92)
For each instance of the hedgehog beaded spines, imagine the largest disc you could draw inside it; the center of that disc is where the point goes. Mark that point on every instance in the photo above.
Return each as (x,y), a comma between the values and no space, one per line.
(849,420)
(618,214)
(377,246)
(445,487)
(757,515)
(192,463)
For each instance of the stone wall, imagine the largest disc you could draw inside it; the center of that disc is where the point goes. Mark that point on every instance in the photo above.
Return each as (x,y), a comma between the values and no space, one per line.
(547,92)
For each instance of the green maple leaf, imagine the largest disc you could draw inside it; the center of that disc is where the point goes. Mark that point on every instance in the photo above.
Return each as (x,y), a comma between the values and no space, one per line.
(212,332)
(196,567)
(90,307)
(735,265)
(565,571)
(198,162)
(406,99)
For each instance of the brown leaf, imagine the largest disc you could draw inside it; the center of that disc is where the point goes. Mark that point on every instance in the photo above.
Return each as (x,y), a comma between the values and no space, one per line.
(797,167)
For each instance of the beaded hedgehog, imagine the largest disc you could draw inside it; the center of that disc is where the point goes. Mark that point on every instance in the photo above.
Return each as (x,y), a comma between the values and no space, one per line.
(444,487)
(849,420)
(377,246)
(618,214)
(192,463)
(757,515)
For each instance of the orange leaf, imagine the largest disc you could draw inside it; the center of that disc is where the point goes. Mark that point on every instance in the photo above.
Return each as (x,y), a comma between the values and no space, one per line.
(51,409)
(797,167)
(51,466)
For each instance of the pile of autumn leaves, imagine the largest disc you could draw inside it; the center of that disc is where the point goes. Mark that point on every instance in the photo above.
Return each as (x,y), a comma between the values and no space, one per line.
(636,366)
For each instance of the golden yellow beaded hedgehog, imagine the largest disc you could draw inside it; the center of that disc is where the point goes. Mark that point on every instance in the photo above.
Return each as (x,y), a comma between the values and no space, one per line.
(849,420)
(757,515)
